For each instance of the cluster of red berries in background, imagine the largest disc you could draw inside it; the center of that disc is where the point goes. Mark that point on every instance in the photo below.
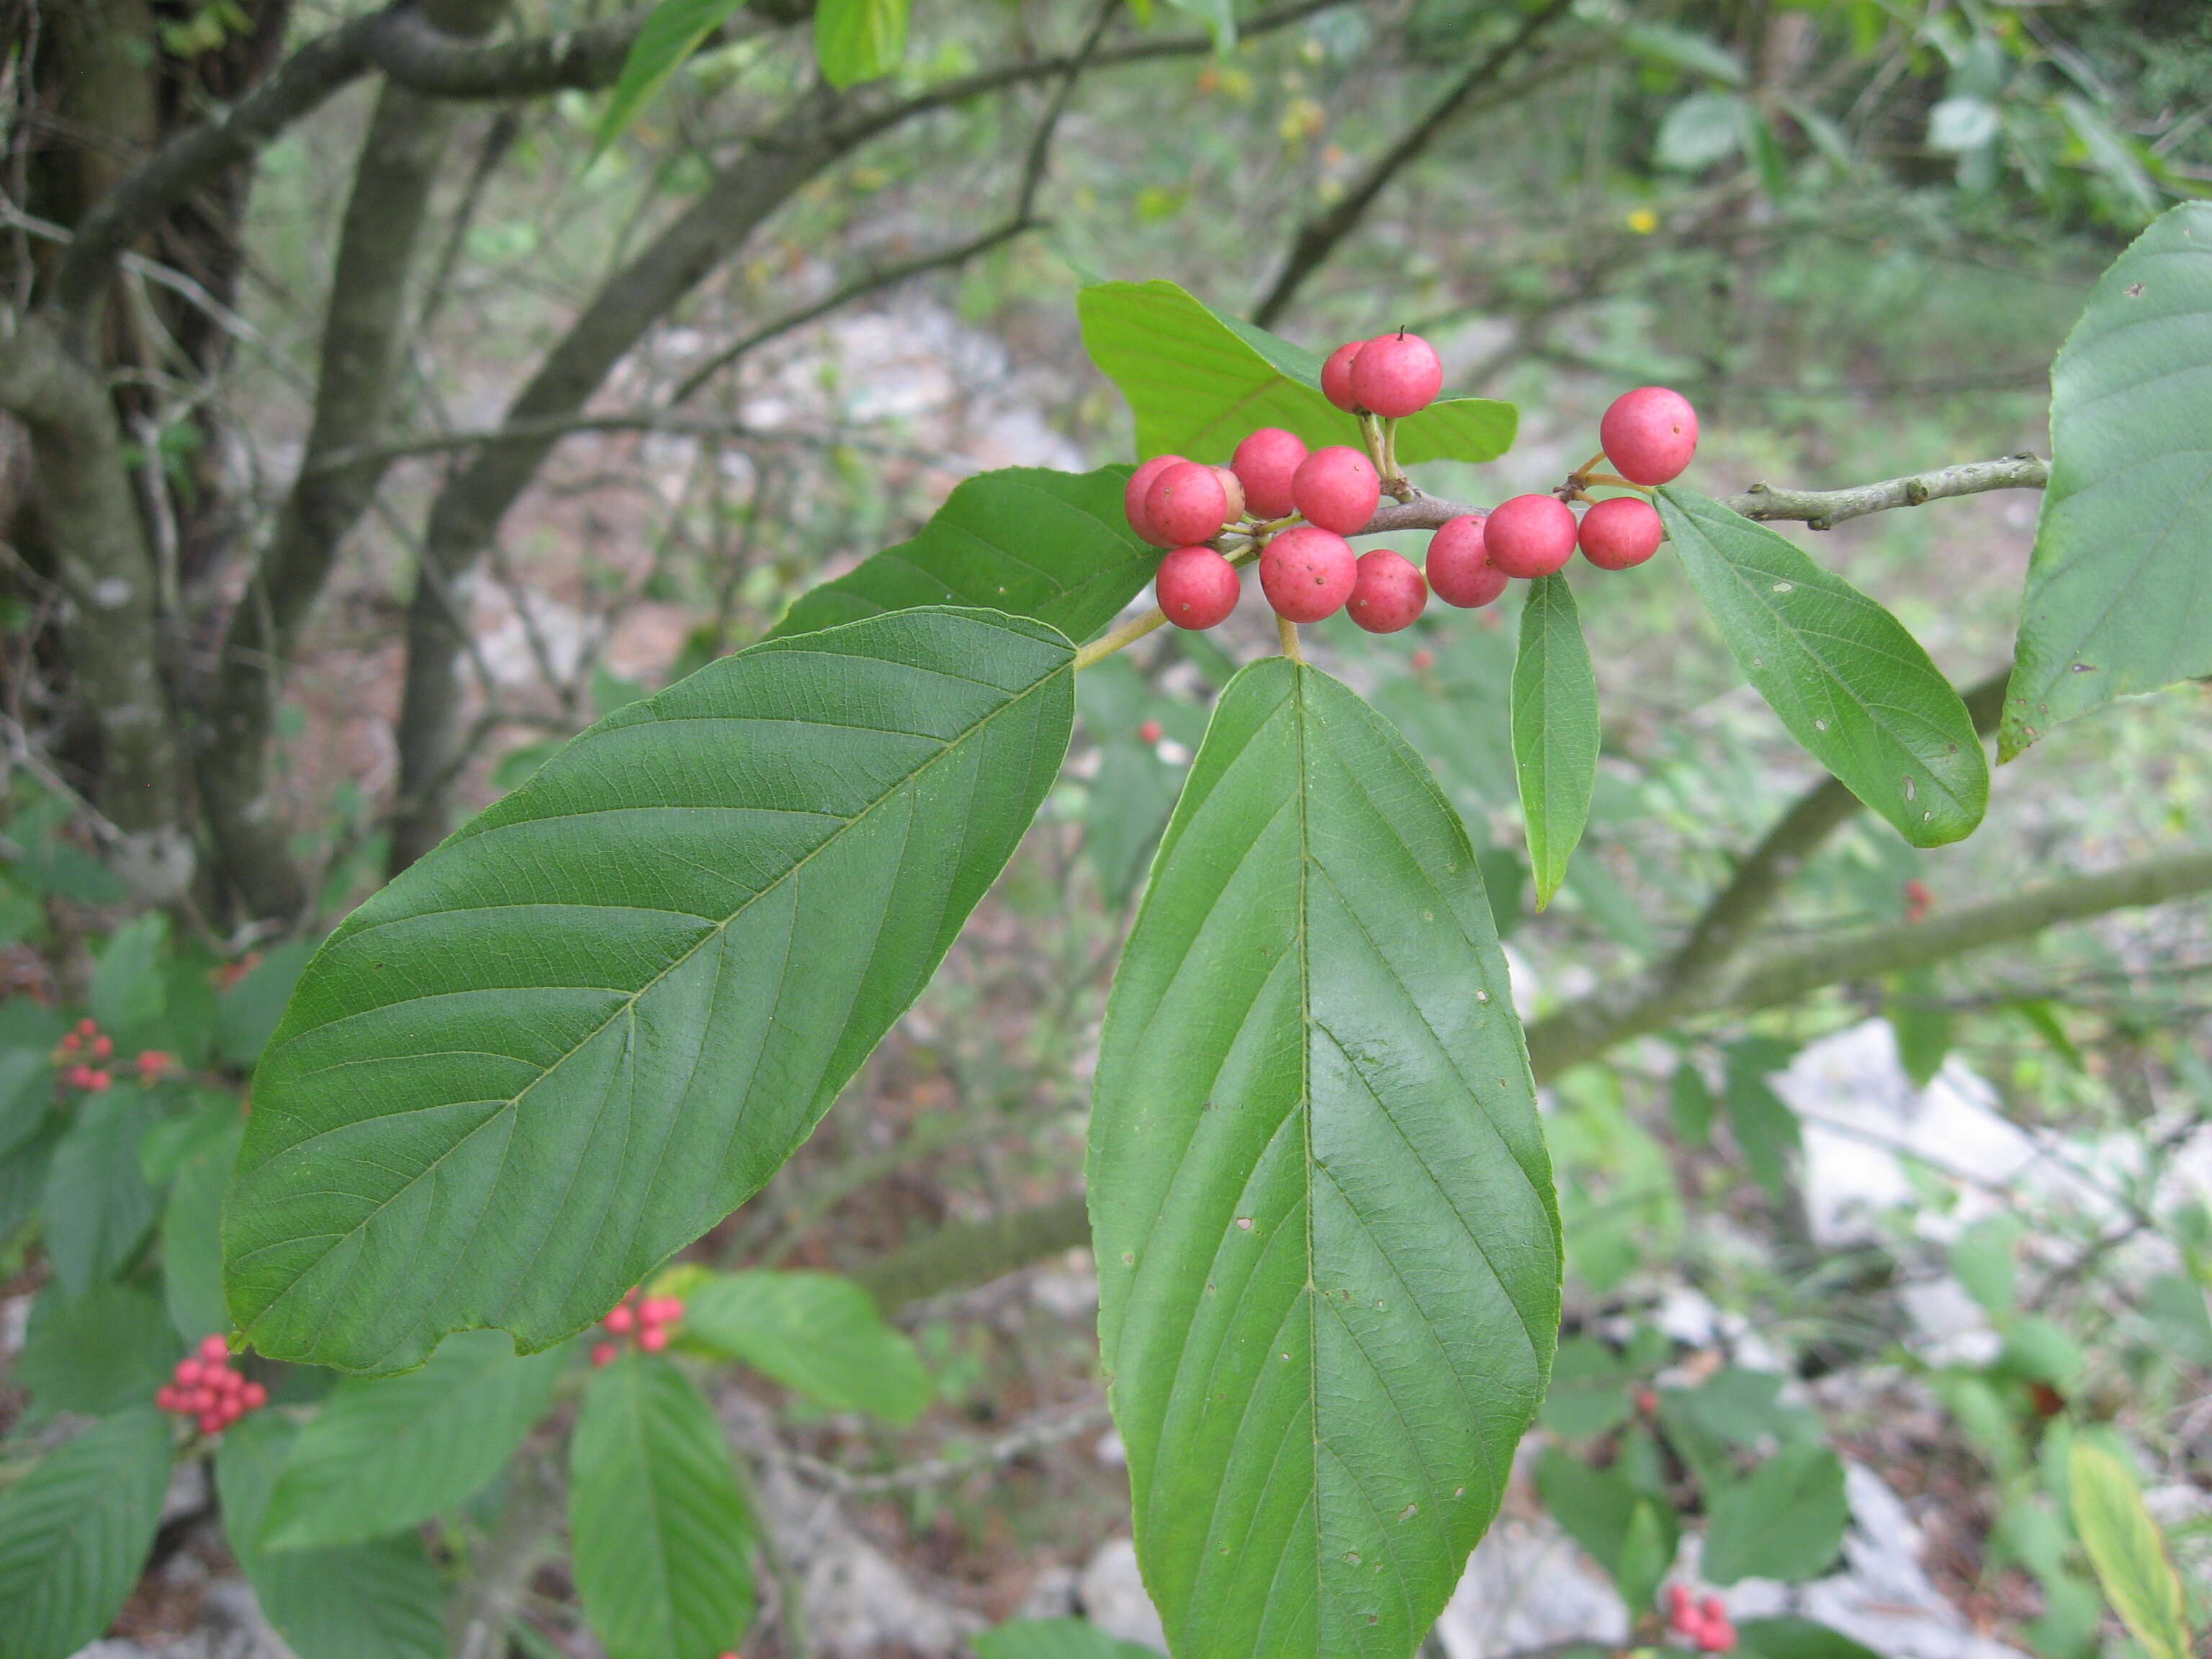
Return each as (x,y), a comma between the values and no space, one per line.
(1704,1624)
(650,1318)
(85,1052)
(1299,506)
(208,1389)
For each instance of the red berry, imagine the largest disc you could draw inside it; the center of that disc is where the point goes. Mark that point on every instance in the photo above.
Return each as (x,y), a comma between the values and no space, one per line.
(1396,376)
(621,1319)
(98,1081)
(1197,587)
(1187,504)
(1620,534)
(211,1422)
(662,1310)
(1424,661)
(79,1076)
(1336,488)
(1308,573)
(1139,486)
(605,1353)
(1336,376)
(1264,462)
(1713,1607)
(1649,434)
(202,1399)
(653,1339)
(1678,1598)
(166,1397)
(1459,569)
(189,1373)
(1386,592)
(1150,732)
(212,1347)
(1529,536)
(102,1047)
(253,1396)
(1233,488)
(153,1063)
(88,1026)
(1647,1402)
(71,1043)
(230,1381)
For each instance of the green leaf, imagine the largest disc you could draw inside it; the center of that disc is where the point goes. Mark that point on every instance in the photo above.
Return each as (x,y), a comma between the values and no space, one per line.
(1555,730)
(1791,1638)
(98,1205)
(818,1334)
(27,1095)
(858,40)
(598,1017)
(1329,1250)
(1025,540)
(1703,129)
(1131,798)
(2037,1349)
(1766,1130)
(1197,383)
(1921,1024)
(376,1600)
(1848,681)
(191,1237)
(2126,1548)
(659,1532)
(2117,601)
(1056,1638)
(23,1178)
(1981,1259)
(74,1531)
(671,35)
(387,1453)
(2175,1306)
(128,992)
(1783,1521)
(1647,1552)
(248,1012)
(1698,53)
(1690,1103)
(108,1349)
(1591,1390)
(1622,1531)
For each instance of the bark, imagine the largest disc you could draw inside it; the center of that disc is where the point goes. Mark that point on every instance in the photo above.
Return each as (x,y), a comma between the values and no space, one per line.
(363,337)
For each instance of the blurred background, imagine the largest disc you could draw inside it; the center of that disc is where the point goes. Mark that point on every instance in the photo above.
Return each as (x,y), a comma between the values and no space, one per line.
(447,428)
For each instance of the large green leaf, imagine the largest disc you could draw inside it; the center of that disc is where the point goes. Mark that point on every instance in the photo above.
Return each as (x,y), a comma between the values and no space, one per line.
(671,34)
(1198,382)
(858,40)
(818,1334)
(2119,590)
(27,1095)
(1056,1638)
(2126,1548)
(657,1522)
(1849,682)
(1791,1637)
(108,1349)
(191,1236)
(128,990)
(374,1600)
(598,1017)
(386,1453)
(1328,1248)
(98,1205)
(74,1531)
(1784,1520)
(1555,730)
(1625,1532)
(1025,540)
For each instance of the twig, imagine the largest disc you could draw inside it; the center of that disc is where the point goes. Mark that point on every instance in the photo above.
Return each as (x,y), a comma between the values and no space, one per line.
(1030,1436)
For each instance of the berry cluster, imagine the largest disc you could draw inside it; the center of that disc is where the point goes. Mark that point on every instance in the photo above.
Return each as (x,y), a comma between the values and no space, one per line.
(650,1318)
(85,1052)
(1295,507)
(207,1388)
(1704,1624)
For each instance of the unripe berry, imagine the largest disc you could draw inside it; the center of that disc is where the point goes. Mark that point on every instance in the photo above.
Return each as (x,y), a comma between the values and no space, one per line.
(1266,461)
(1529,536)
(1336,488)
(1197,587)
(1649,434)
(1187,504)
(1336,376)
(1395,375)
(605,1353)
(1459,570)
(1386,594)
(1139,485)
(1620,534)
(1233,488)
(653,1339)
(621,1319)
(1150,732)
(214,1347)
(1308,573)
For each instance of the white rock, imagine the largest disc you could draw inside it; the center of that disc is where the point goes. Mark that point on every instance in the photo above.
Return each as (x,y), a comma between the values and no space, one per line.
(1115,1599)
(1528,1585)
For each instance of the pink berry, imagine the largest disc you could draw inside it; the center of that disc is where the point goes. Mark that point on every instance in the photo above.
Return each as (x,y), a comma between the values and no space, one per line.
(1187,504)
(1649,434)
(253,1396)
(621,1319)
(1529,536)
(1459,569)
(1233,488)
(165,1397)
(1336,376)
(212,1347)
(665,1310)
(1620,534)
(1424,661)
(189,1373)
(1264,462)
(1386,594)
(1139,485)
(98,1081)
(1197,587)
(1150,732)
(102,1047)
(1395,375)
(78,1077)
(211,1422)
(88,1026)
(1308,573)
(653,1339)
(1678,1598)
(71,1043)
(1336,488)
(153,1063)
(605,1353)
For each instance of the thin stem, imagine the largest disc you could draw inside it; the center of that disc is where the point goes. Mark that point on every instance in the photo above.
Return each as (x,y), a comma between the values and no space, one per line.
(1120,639)
(1615,479)
(1287,631)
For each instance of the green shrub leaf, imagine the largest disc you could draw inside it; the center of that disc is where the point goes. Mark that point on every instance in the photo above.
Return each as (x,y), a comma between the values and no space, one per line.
(1322,1209)
(74,1531)
(1785,1520)
(2126,1548)
(387,1453)
(1791,1638)
(2118,600)
(598,1017)
(191,1236)
(98,1205)
(108,1349)
(1056,1638)
(671,35)
(657,1522)
(858,40)
(1555,730)
(817,1333)
(1025,540)
(372,1601)
(1198,382)
(1847,679)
